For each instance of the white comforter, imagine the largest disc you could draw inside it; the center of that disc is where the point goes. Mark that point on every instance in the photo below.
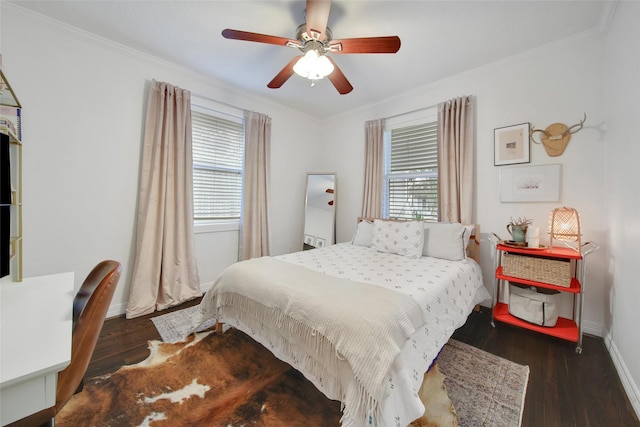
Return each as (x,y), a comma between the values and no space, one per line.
(445,291)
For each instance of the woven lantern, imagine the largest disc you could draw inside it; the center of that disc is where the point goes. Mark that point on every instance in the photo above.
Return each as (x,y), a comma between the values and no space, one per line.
(564,224)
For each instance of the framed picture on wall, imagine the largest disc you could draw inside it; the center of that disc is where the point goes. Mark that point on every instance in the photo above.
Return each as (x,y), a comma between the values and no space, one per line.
(511,145)
(530,184)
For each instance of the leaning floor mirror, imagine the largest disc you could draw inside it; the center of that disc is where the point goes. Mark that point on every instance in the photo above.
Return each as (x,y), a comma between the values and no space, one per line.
(320,210)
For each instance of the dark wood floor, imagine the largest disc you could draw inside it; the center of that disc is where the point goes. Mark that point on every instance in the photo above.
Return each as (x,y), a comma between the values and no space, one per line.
(565,389)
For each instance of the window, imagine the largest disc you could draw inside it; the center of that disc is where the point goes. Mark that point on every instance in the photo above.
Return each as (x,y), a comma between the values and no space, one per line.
(411,171)
(218,152)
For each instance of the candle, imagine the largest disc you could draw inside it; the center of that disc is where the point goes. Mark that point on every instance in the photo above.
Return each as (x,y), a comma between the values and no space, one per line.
(533,237)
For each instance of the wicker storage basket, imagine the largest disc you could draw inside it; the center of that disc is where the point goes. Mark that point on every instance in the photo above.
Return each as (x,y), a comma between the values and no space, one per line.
(540,269)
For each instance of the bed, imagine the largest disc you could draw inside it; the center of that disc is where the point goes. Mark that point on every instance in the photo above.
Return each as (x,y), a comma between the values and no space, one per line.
(362,320)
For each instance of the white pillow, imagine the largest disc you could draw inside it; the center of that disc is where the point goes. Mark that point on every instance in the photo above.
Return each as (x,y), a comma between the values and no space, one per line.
(444,240)
(404,238)
(363,235)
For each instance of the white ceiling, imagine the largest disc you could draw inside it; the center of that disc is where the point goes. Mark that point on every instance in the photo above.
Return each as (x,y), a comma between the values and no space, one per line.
(439,39)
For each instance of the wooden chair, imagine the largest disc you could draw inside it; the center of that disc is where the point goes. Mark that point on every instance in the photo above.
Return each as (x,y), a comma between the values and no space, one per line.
(90,307)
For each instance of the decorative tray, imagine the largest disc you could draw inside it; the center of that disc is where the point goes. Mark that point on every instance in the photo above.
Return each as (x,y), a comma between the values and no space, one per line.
(519,245)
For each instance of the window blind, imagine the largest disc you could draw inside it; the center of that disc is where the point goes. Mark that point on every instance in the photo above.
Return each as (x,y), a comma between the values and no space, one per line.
(218,152)
(412,172)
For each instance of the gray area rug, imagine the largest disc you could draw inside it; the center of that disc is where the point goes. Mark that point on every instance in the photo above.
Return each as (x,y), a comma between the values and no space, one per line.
(175,326)
(486,390)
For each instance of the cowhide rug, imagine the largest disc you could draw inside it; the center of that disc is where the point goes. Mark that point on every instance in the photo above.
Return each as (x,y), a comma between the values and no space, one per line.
(220,380)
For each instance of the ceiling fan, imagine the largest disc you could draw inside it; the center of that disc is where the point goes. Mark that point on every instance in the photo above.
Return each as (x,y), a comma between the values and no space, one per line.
(314,40)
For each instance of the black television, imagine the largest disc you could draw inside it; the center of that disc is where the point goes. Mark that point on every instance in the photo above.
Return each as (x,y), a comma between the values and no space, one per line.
(5,205)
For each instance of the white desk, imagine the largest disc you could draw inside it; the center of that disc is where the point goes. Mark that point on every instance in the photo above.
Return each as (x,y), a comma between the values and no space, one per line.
(35,342)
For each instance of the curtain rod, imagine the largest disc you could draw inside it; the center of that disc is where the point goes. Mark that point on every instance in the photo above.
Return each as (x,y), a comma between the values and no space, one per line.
(206,98)
(431,106)
(410,112)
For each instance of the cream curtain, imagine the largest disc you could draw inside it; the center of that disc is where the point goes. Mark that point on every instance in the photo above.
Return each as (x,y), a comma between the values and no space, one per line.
(255,218)
(373,168)
(456,135)
(165,271)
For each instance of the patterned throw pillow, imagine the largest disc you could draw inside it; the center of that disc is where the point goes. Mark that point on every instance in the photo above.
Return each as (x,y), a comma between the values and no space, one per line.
(404,238)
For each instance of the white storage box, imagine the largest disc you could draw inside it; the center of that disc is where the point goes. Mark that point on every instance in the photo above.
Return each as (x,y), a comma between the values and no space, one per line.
(534,305)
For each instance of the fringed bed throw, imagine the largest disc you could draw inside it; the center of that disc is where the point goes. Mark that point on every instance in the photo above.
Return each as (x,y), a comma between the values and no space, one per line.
(318,322)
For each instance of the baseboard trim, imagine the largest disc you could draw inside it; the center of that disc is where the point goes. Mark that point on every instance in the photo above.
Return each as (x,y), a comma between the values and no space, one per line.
(593,328)
(630,387)
(116,310)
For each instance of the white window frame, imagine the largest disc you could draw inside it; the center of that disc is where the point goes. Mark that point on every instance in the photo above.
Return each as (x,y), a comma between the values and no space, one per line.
(418,117)
(213,108)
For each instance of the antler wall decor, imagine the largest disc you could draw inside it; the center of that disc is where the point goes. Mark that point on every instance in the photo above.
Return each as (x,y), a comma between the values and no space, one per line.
(556,136)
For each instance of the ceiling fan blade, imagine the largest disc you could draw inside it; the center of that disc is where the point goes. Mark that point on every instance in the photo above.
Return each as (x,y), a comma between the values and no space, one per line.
(388,44)
(338,79)
(317,17)
(260,38)
(284,74)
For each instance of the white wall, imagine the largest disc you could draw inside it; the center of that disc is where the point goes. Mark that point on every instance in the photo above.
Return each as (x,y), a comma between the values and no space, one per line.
(622,199)
(83,109)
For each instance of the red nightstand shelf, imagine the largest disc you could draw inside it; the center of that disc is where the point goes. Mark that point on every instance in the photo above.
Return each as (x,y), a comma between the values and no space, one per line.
(574,287)
(567,329)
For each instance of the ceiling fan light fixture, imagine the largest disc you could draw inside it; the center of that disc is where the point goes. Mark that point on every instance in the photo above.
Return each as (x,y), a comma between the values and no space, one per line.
(314,39)
(313,66)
